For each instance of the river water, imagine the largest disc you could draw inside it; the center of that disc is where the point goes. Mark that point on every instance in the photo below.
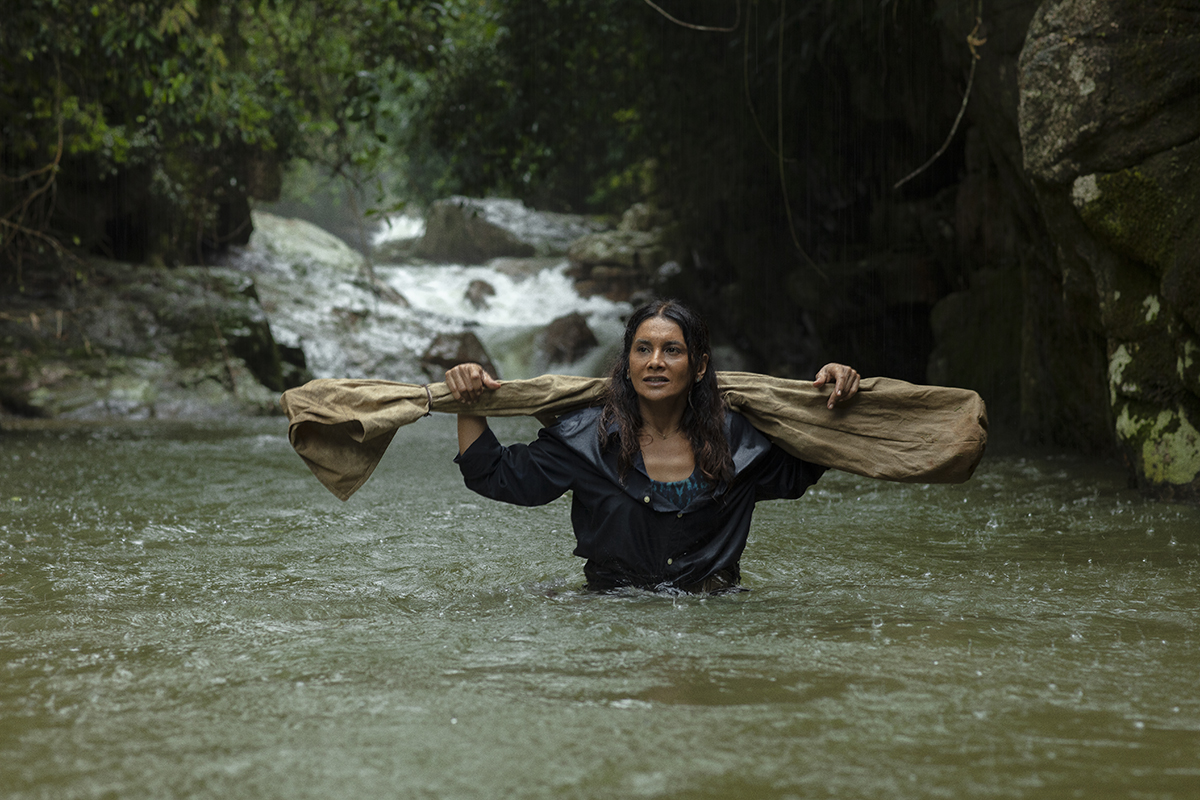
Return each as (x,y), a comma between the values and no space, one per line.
(186,612)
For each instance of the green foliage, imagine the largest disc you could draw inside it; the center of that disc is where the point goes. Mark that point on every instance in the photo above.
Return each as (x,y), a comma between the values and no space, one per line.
(533,99)
(563,102)
(141,129)
(772,141)
(164,116)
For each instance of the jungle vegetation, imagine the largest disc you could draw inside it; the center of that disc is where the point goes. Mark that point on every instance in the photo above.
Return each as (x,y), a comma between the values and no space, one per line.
(142,130)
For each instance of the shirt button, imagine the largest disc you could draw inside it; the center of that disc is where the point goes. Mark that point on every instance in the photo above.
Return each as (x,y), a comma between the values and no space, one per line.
(646,499)
(679,515)
(670,561)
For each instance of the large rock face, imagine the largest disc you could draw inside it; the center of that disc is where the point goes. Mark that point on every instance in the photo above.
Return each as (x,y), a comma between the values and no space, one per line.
(323,303)
(141,342)
(1109,120)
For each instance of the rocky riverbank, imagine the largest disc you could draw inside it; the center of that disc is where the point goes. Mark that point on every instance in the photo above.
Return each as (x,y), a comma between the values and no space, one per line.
(140,342)
(137,342)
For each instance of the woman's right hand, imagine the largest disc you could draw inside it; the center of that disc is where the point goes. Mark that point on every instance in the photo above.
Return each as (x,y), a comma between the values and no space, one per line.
(467,382)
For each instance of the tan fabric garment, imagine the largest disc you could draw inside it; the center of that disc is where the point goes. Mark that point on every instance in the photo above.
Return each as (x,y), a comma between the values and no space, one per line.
(891,430)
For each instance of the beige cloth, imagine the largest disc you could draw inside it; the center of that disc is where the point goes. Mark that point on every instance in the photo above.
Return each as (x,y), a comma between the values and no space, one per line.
(891,430)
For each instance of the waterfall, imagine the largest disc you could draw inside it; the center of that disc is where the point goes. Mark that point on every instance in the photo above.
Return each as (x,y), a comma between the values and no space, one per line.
(509,322)
(319,300)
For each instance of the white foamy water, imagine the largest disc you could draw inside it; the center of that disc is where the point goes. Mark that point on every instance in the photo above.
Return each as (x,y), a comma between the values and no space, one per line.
(315,292)
(535,299)
(398,227)
(509,321)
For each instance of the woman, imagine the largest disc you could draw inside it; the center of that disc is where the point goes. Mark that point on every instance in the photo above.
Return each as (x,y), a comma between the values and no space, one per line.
(664,478)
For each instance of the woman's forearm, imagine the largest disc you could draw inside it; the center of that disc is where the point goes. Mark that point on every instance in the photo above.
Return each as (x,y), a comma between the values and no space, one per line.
(470,428)
(468,382)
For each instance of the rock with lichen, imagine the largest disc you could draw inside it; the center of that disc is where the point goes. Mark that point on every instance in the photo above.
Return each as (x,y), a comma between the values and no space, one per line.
(1110,126)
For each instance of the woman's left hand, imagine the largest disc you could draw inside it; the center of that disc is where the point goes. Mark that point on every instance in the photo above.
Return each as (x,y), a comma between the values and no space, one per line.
(468,382)
(845,382)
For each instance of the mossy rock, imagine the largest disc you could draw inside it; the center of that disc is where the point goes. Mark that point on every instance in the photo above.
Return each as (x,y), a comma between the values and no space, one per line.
(1187,363)
(1181,283)
(139,342)
(1150,212)
(1164,446)
(1131,308)
(1131,213)
(1144,370)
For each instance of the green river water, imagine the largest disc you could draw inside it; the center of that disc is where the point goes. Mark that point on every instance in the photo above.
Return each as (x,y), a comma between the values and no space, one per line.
(186,612)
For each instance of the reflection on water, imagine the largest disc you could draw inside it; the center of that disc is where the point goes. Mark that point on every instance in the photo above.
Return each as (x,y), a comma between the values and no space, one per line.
(184,611)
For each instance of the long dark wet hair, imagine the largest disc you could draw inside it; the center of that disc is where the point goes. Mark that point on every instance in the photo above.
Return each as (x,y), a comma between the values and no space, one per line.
(704,416)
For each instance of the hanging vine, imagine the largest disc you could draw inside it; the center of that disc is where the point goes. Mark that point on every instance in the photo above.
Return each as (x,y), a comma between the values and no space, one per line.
(974,41)
(737,20)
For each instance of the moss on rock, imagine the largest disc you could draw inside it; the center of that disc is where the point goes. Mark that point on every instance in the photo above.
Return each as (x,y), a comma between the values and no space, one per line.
(1144,370)
(1131,213)
(1165,447)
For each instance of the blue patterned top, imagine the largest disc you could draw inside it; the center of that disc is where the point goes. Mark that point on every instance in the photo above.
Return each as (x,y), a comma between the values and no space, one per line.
(680,493)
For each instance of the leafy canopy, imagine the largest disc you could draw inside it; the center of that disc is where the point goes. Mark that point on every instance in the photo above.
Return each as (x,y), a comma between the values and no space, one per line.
(170,113)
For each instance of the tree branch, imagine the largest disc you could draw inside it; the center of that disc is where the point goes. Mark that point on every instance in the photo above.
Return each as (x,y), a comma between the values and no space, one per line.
(737,20)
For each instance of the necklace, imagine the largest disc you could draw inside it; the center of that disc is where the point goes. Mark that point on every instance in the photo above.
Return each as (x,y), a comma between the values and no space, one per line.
(660,434)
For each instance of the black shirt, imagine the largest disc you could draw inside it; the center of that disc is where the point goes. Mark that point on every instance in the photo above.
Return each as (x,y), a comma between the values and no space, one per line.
(630,534)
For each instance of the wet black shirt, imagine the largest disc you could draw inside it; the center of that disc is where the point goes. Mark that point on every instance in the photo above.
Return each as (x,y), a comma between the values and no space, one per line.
(630,534)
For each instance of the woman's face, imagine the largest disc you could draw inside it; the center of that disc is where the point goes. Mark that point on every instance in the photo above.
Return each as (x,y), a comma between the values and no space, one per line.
(658,362)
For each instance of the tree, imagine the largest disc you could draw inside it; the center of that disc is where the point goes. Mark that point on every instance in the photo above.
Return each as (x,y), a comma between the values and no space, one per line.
(140,130)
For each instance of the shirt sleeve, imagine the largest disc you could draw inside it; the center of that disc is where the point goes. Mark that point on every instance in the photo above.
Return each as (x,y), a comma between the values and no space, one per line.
(783,476)
(525,475)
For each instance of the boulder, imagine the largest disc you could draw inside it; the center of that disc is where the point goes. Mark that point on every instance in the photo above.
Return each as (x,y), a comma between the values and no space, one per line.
(139,342)
(566,339)
(327,306)
(478,292)
(394,251)
(638,250)
(465,230)
(301,246)
(450,349)
(1106,84)
(623,263)
(1110,127)
(643,217)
